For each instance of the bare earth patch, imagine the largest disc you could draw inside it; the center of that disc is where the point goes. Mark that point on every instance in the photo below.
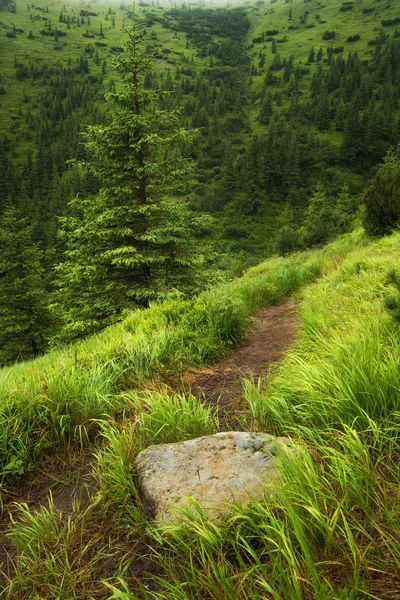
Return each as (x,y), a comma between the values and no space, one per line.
(273,330)
(63,479)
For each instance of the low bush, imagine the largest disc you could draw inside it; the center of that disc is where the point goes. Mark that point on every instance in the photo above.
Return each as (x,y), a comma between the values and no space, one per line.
(382,198)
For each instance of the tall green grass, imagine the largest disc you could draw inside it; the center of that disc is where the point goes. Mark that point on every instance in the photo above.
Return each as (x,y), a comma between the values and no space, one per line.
(331,529)
(149,418)
(345,368)
(60,398)
(52,554)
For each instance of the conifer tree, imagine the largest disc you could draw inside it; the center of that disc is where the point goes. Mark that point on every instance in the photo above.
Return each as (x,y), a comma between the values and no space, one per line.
(130,244)
(382,198)
(266,109)
(252,184)
(318,221)
(24,317)
(344,211)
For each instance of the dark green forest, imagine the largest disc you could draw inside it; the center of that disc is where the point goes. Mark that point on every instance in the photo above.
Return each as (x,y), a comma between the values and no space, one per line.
(148,167)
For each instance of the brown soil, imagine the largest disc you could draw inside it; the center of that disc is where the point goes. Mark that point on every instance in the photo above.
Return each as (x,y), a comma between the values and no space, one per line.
(222,383)
(64,479)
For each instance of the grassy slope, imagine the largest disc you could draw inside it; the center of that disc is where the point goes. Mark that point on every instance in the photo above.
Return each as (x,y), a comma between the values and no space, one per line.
(309,34)
(301,39)
(58,397)
(333,530)
(43,50)
(345,366)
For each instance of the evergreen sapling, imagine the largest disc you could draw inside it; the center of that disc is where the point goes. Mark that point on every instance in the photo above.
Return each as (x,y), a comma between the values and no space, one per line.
(130,244)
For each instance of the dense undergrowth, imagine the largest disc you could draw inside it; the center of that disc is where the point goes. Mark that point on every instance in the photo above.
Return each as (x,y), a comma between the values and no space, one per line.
(61,397)
(332,530)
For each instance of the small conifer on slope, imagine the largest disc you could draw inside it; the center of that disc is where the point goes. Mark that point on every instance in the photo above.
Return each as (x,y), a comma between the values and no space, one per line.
(130,244)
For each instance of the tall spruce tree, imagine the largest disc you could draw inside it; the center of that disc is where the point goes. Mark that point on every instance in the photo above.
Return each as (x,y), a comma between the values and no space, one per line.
(130,244)
(24,317)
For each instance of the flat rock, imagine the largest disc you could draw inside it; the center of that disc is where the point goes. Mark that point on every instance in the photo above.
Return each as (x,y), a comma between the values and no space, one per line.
(232,467)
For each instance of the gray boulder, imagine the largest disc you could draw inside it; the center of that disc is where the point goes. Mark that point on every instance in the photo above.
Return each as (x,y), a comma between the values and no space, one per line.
(233,467)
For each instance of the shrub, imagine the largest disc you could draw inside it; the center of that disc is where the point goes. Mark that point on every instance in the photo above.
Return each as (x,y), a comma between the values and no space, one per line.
(334,50)
(388,22)
(392,302)
(329,35)
(288,240)
(382,198)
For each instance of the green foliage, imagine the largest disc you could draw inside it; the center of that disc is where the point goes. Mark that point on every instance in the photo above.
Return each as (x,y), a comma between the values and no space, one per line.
(344,368)
(51,547)
(57,407)
(336,116)
(336,394)
(151,418)
(24,318)
(118,594)
(336,503)
(288,240)
(318,226)
(114,471)
(382,199)
(344,211)
(331,506)
(392,302)
(165,418)
(128,245)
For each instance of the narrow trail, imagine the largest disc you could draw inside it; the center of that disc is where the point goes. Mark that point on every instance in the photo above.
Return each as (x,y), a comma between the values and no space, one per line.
(222,383)
(67,477)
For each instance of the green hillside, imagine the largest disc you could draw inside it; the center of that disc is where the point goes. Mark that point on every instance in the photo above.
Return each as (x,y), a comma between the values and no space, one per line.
(313,33)
(300,26)
(165,172)
(96,404)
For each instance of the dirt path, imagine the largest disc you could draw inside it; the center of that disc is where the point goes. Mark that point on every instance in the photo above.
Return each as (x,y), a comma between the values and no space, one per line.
(273,330)
(67,477)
